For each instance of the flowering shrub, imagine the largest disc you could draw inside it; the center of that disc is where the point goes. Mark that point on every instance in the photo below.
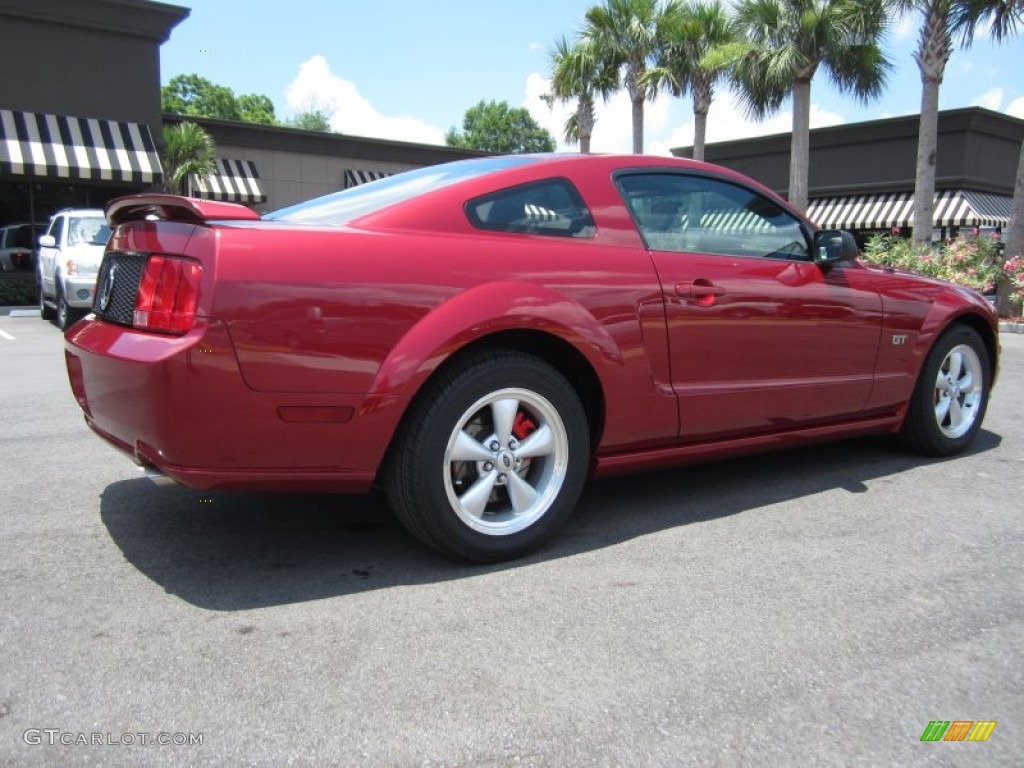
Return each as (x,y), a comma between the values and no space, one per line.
(1014,269)
(973,262)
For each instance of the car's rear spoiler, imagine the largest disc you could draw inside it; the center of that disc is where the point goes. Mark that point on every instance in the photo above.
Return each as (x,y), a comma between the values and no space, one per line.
(175,208)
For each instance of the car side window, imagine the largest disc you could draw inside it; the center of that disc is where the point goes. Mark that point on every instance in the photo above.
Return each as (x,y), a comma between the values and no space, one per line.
(698,214)
(57,229)
(549,207)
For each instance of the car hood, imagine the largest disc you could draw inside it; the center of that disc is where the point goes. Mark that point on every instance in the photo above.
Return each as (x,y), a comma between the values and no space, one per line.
(936,285)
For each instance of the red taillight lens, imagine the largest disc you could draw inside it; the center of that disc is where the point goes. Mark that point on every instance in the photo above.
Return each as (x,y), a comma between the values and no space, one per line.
(168,295)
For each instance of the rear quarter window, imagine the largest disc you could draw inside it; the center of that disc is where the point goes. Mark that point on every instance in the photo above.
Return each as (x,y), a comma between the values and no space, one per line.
(550,207)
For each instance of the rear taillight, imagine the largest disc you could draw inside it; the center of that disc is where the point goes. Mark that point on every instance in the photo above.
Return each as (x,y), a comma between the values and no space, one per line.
(168,295)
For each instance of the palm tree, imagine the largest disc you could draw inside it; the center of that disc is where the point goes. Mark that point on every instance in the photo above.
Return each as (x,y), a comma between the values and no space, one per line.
(624,34)
(942,21)
(1014,241)
(188,150)
(691,39)
(578,74)
(787,42)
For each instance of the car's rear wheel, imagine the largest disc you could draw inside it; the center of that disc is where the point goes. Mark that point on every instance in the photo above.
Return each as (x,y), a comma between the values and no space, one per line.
(45,310)
(491,460)
(951,396)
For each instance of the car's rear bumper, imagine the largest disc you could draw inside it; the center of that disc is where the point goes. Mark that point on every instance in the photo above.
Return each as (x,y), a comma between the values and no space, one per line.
(179,404)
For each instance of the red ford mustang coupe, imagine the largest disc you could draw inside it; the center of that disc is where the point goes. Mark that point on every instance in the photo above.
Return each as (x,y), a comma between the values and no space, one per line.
(480,337)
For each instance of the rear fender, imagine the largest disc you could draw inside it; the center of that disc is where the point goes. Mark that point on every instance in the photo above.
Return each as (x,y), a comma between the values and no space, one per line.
(488,309)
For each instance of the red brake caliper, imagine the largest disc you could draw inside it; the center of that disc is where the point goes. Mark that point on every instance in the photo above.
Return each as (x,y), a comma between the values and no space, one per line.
(522,426)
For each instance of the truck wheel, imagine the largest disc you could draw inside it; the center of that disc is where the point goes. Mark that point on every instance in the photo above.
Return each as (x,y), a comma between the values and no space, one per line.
(45,310)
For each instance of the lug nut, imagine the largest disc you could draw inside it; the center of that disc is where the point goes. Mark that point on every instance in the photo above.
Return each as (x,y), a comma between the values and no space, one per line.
(495,445)
(488,466)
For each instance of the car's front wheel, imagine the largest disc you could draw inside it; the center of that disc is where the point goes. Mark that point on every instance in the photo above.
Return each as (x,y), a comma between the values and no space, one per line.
(66,314)
(492,459)
(951,395)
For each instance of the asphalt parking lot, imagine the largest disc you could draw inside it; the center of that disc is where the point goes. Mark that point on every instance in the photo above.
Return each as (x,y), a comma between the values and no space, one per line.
(813,607)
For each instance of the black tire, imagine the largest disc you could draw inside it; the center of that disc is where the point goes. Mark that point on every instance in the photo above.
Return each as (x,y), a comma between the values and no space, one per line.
(951,395)
(45,310)
(473,508)
(66,314)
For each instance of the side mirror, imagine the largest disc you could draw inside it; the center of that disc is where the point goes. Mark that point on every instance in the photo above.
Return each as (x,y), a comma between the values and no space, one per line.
(832,245)
(47,241)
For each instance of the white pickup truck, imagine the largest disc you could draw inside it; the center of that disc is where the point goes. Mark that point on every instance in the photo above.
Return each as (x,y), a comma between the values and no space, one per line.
(69,258)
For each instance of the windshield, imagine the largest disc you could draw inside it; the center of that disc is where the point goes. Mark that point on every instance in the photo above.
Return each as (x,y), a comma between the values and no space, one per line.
(91,231)
(339,207)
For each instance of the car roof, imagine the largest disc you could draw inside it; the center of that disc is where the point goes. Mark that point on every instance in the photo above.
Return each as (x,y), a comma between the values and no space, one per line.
(83,212)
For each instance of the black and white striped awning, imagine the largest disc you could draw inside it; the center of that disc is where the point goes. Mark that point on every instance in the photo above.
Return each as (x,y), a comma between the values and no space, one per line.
(953,208)
(967,208)
(236,181)
(353,177)
(61,147)
(863,211)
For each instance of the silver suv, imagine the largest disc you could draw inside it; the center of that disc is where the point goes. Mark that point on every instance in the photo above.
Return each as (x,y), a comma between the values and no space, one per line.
(69,259)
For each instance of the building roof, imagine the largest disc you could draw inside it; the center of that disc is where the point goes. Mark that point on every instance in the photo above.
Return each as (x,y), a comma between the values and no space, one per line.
(977,149)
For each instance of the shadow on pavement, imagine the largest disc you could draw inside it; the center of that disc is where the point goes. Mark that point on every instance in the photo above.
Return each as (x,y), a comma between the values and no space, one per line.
(234,551)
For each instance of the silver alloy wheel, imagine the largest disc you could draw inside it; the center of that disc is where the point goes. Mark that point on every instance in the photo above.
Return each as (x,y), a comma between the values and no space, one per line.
(959,391)
(499,482)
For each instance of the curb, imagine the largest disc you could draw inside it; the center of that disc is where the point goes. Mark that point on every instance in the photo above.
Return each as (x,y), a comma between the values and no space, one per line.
(1011,326)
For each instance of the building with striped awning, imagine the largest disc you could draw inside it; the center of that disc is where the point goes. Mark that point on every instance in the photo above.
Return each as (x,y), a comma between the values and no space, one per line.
(80,119)
(952,208)
(87,148)
(236,181)
(354,177)
(861,176)
(271,166)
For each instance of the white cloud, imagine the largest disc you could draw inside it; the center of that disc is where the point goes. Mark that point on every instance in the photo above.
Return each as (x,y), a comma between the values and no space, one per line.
(992,99)
(316,86)
(906,25)
(1016,108)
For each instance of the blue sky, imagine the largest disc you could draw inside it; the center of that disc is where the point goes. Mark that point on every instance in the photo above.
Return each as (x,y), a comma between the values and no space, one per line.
(409,70)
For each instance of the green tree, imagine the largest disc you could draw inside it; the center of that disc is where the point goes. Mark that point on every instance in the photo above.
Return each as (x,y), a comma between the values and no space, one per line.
(787,42)
(494,126)
(195,96)
(689,58)
(941,22)
(578,74)
(188,150)
(312,120)
(256,108)
(625,35)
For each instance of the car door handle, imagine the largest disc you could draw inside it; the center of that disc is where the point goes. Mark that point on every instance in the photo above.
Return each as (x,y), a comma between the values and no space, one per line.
(699,289)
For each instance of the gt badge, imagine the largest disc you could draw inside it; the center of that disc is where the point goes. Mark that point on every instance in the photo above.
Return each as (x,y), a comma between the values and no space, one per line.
(899,339)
